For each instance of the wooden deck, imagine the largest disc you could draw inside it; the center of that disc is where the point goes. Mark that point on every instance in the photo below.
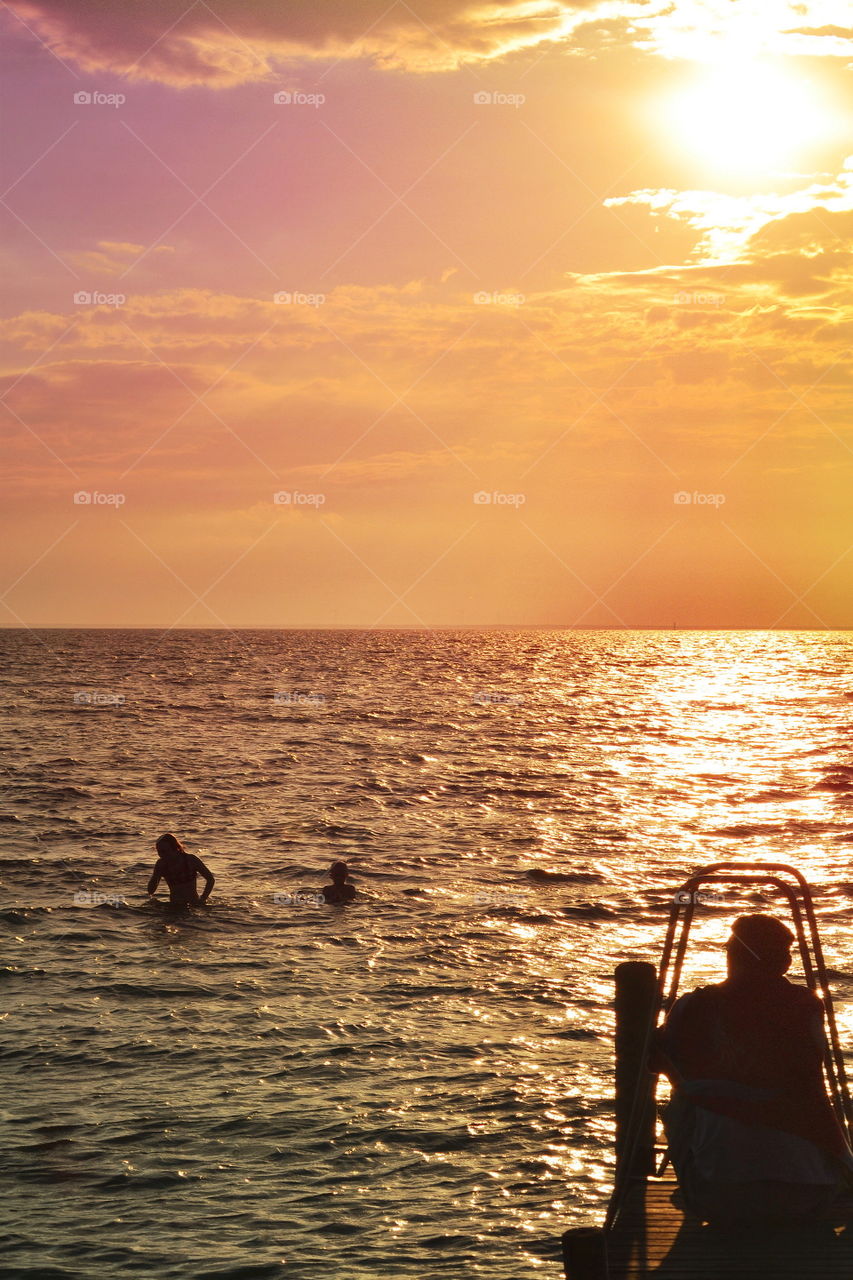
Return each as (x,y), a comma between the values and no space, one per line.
(652,1238)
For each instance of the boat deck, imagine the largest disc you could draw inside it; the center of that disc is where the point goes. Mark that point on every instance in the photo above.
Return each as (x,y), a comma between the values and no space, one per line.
(653,1238)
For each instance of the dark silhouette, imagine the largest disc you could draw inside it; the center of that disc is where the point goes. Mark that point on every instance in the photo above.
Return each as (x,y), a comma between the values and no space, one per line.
(338,891)
(752,1134)
(179,869)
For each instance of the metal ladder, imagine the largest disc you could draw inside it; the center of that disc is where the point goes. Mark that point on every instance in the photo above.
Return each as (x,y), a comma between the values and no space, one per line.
(792,886)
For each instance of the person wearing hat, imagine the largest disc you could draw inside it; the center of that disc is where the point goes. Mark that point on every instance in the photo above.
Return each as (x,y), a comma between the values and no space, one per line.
(752,1134)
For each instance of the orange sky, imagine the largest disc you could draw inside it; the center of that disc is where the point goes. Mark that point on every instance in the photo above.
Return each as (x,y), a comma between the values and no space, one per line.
(528,313)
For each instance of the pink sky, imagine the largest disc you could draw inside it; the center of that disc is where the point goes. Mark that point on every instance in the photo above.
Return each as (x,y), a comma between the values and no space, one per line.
(617,312)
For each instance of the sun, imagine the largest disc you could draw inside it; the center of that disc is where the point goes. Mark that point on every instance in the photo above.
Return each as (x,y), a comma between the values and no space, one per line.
(748,116)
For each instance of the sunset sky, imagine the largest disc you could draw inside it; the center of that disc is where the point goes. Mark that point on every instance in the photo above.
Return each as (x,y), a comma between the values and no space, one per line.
(589,261)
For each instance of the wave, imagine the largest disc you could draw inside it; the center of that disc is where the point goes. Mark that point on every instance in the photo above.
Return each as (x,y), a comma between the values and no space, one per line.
(255,1270)
(145,1181)
(325,827)
(152,992)
(10,971)
(575,1033)
(38,1271)
(590,911)
(17,915)
(522,915)
(796,826)
(38,790)
(541,876)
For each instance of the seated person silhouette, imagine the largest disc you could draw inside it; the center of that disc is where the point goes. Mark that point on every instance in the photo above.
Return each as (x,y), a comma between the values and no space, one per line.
(752,1134)
(338,891)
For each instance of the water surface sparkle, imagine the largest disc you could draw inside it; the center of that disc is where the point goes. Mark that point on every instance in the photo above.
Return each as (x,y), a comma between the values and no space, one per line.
(418,1085)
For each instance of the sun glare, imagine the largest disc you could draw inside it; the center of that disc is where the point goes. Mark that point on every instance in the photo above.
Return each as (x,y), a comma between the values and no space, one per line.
(747,116)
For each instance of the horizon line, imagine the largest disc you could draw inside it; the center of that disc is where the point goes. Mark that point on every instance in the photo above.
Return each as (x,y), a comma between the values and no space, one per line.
(465,626)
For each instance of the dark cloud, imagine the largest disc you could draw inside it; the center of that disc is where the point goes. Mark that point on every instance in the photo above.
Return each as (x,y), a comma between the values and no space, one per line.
(233,41)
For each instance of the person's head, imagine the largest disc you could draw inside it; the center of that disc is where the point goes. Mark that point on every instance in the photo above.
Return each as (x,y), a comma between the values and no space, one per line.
(339,872)
(759,945)
(168,845)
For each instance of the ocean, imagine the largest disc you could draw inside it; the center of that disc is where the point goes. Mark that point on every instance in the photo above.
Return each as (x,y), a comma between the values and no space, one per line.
(418,1084)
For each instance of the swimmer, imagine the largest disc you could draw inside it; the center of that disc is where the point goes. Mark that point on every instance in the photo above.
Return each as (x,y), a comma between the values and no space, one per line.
(338,891)
(179,869)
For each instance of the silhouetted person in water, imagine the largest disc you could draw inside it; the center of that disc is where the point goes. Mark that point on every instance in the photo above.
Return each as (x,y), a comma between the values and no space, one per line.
(179,869)
(752,1134)
(338,891)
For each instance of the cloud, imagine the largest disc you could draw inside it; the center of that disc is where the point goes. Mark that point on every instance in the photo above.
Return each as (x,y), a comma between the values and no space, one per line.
(597,401)
(833,40)
(707,29)
(406,389)
(734,227)
(109,257)
(389,391)
(230,42)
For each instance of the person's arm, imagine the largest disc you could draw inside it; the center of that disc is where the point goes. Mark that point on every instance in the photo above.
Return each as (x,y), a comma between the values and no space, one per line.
(156,876)
(208,875)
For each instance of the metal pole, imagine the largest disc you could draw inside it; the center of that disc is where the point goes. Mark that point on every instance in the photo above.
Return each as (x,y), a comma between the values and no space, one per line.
(636,1007)
(637,999)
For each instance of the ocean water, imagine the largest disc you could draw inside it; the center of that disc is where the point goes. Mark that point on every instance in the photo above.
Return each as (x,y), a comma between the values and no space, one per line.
(419,1084)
